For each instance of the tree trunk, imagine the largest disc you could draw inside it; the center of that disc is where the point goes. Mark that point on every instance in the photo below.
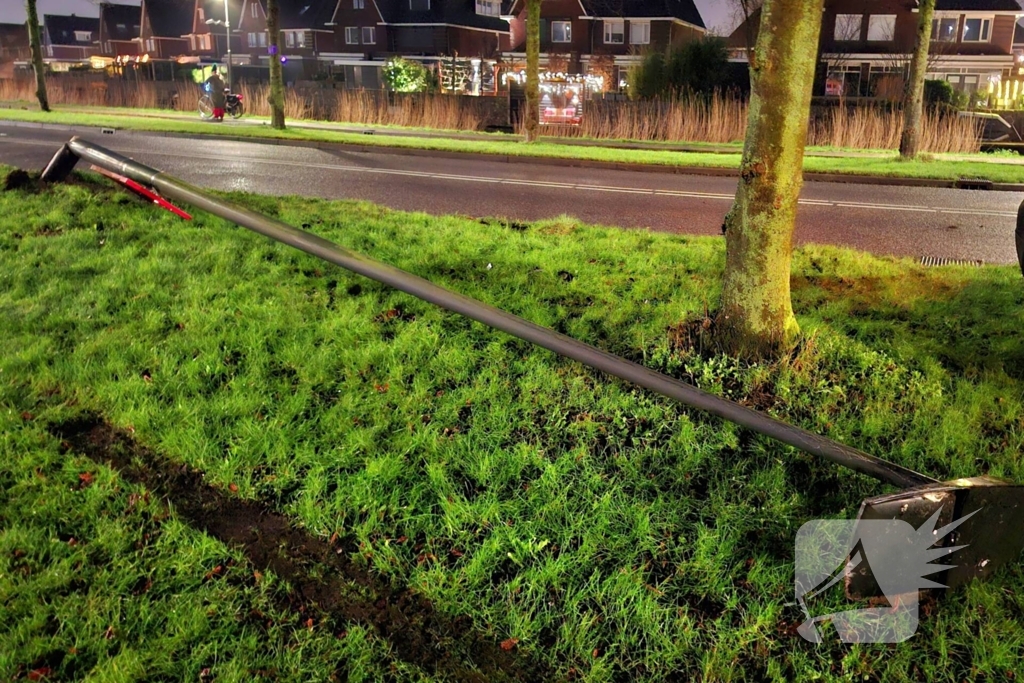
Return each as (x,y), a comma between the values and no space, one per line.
(530,123)
(756,318)
(913,100)
(276,78)
(37,54)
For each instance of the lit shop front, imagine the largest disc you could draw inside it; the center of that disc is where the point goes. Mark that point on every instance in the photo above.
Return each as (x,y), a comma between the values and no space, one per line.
(562,96)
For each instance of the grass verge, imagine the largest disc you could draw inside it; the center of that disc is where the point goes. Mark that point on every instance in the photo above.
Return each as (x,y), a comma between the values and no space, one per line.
(591,530)
(891,167)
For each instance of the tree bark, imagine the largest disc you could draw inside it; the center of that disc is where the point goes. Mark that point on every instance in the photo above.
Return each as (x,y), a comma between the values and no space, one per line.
(37,54)
(531,124)
(913,100)
(276,77)
(756,318)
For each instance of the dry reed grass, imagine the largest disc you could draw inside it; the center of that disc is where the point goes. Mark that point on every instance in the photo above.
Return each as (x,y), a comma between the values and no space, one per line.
(719,120)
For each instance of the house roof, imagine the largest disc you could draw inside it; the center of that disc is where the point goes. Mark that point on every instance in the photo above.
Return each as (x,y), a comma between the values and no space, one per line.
(308,14)
(977,5)
(169,18)
(456,12)
(684,10)
(61,29)
(214,9)
(120,22)
(1018,32)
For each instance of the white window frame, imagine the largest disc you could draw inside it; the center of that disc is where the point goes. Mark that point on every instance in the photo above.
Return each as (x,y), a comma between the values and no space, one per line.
(985,30)
(300,39)
(202,14)
(488,8)
(358,4)
(639,33)
(261,38)
(252,39)
(205,41)
(150,45)
(351,35)
(849,28)
(937,27)
(614,28)
(566,27)
(289,39)
(83,36)
(369,38)
(877,25)
(254,12)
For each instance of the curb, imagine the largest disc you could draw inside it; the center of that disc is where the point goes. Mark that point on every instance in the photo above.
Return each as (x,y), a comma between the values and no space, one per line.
(547,161)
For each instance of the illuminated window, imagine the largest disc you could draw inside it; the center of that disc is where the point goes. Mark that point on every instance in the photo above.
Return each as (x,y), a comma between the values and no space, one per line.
(614,31)
(561,31)
(491,8)
(262,37)
(252,40)
(848,27)
(944,29)
(881,27)
(255,14)
(639,32)
(976,30)
(83,36)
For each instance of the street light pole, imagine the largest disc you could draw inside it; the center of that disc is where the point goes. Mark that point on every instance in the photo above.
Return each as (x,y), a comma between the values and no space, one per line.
(227,26)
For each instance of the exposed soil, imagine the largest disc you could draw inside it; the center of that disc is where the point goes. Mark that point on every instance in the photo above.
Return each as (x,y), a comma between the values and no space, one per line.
(322,577)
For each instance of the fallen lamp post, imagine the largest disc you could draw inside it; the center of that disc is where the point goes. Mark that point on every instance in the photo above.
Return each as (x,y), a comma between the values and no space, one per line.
(990,510)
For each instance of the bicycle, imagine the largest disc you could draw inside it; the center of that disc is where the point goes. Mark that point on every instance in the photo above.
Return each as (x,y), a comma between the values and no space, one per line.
(232,106)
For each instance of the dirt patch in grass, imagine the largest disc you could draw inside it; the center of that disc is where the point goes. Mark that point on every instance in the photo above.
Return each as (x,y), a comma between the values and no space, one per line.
(327,587)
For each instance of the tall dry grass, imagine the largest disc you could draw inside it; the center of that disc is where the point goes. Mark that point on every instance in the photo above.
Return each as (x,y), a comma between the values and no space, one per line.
(720,119)
(874,128)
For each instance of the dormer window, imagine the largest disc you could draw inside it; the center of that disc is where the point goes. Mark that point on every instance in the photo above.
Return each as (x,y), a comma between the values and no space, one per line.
(490,8)
(419,5)
(83,36)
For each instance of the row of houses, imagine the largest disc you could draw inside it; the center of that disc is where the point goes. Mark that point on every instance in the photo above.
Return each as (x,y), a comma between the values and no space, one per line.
(863,44)
(355,37)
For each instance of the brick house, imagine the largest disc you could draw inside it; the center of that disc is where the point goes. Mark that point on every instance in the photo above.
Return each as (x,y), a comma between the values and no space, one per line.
(865,45)
(209,40)
(14,43)
(367,32)
(164,26)
(69,39)
(305,33)
(120,27)
(577,31)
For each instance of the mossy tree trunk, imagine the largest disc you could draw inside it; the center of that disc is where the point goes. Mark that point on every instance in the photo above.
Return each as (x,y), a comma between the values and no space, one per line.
(756,318)
(913,100)
(531,124)
(37,54)
(276,77)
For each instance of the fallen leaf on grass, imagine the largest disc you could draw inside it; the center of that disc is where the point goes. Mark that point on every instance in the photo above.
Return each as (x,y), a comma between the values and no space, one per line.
(509,644)
(85,478)
(39,674)
(233,488)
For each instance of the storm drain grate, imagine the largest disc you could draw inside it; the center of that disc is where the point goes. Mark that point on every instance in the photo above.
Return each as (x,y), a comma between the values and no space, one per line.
(942,261)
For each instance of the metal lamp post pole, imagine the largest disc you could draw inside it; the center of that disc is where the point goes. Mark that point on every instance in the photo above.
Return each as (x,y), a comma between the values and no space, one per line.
(227,27)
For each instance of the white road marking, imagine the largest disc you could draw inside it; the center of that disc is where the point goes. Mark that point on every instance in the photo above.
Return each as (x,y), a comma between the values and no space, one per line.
(539,183)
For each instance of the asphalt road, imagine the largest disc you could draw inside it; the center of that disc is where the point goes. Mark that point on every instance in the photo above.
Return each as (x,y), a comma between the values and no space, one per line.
(902,221)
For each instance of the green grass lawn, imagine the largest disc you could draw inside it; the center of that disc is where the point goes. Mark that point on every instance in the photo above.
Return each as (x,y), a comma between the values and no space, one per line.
(887,167)
(596,532)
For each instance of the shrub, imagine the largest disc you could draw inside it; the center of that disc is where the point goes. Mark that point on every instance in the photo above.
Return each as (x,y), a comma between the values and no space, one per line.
(699,67)
(938,93)
(404,75)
